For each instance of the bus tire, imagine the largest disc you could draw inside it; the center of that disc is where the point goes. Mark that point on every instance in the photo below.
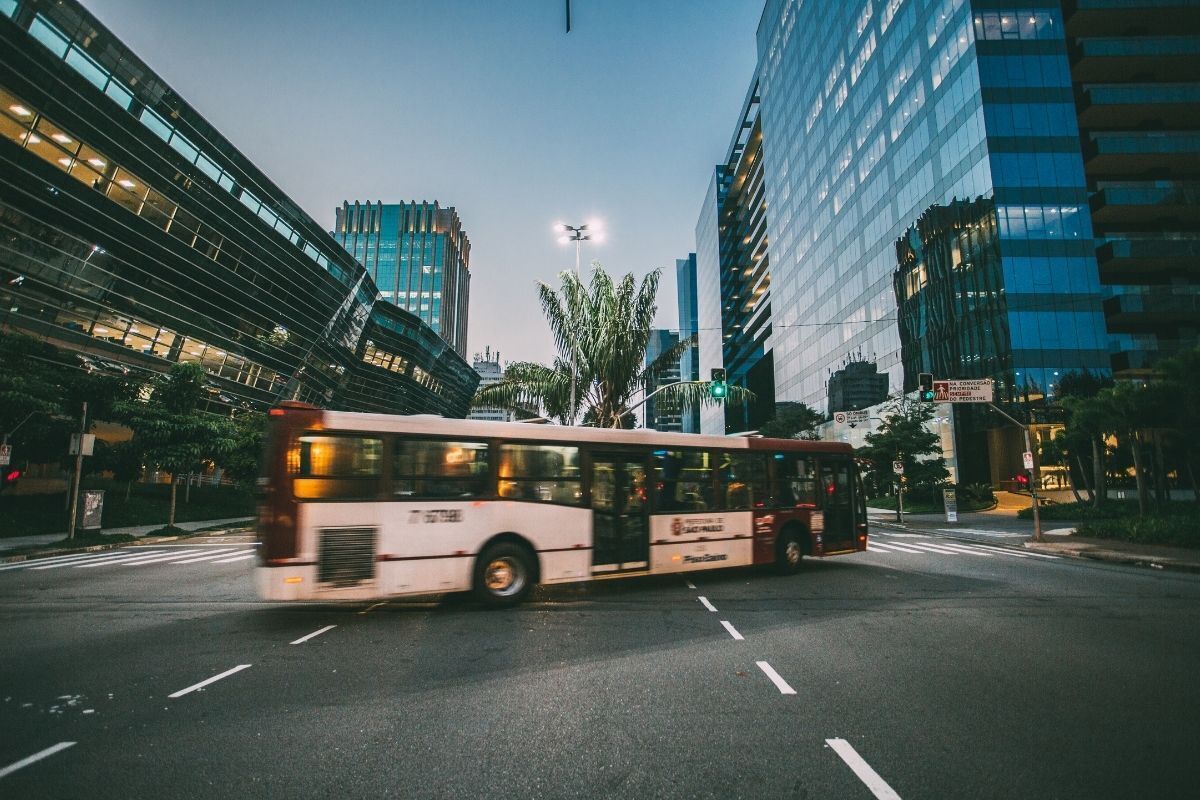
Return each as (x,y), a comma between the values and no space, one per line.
(504,574)
(789,550)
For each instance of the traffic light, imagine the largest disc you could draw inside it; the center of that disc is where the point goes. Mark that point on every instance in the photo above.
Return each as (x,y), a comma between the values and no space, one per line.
(9,477)
(717,388)
(925,383)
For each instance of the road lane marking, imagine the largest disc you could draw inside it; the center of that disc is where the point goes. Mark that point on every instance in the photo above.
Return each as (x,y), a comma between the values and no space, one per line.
(235,558)
(125,559)
(38,756)
(933,548)
(862,769)
(977,532)
(212,555)
(314,634)
(904,548)
(1003,551)
(879,547)
(207,681)
(88,559)
(732,631)
(708,605)
(690,585)
(173,557)
(780,683)
(958,548)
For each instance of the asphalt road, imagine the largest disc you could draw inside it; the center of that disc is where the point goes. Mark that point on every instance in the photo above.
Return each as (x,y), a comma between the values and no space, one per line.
(927,668)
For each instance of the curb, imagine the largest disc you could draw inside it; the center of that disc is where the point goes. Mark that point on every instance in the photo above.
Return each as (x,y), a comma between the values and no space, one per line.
(1113,557)
(99,548)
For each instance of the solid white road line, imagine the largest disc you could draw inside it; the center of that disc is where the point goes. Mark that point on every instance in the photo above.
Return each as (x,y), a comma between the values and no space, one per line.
(780,683)
(862,769)
(314,634)
(207,681)
(212,555)
(732,631)
(235,558)
(38,756)
(706,604)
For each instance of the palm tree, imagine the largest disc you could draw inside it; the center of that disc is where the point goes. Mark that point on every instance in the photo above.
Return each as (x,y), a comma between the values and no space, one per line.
(601,333)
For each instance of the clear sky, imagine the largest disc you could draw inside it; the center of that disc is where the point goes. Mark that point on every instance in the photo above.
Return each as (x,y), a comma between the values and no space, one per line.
(485,105)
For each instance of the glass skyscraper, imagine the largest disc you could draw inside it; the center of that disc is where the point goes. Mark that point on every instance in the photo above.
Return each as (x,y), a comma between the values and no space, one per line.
(419,257)
(689,363)
(874,112)
(133,233)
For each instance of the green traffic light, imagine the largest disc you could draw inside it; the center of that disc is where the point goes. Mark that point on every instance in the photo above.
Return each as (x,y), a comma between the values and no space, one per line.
(718,390)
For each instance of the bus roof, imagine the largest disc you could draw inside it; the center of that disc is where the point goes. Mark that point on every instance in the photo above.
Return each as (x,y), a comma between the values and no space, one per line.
(431,425)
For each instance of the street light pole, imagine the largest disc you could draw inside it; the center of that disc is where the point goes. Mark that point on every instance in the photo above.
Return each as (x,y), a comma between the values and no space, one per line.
(577,234)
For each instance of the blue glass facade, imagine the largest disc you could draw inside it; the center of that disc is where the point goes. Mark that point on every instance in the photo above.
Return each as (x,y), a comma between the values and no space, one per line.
(708,301)
(873,112)
(662,416)
(419,257)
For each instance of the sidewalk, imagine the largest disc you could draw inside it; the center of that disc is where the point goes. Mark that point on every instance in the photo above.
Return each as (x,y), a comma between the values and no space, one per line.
(19,542)
(1147,555)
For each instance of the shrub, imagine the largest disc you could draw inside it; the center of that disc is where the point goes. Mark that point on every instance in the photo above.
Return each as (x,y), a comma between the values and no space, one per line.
(1176,530)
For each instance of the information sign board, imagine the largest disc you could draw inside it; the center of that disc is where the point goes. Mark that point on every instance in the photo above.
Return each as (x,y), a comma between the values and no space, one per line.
(951,499)
(969,391)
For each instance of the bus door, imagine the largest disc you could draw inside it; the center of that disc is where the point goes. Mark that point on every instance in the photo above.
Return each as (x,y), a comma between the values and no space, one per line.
(620,525)
(837,501)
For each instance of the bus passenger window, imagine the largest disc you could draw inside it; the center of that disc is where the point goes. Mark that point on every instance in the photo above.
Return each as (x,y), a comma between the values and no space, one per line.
(540,473)
(441,469)
(683,481)
(796,480)
(332,467)
(743,479)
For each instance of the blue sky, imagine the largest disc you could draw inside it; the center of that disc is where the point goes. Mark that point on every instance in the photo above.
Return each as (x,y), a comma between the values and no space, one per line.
(486,105)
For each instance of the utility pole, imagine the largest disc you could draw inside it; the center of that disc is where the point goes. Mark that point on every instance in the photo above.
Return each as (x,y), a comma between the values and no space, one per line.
(78,472)
(1037,517)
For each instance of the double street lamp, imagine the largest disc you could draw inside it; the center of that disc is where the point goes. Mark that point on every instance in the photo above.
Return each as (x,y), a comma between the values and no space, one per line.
(577,234)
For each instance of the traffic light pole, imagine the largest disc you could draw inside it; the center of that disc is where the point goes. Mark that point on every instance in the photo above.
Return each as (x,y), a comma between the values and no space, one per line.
(1037,517)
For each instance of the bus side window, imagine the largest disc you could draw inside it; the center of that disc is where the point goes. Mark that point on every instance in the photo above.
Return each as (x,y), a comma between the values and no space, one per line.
(542,473)
(683,481)
(440,469)
(796,480)
(743,479)
(336,467)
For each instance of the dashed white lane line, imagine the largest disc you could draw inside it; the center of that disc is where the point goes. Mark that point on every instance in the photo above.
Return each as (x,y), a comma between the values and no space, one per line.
(780,683)
(732,630)
(690,585)
(242,557)
(38,756)
(862,769)
(314,634)
(207,681)
(704,602)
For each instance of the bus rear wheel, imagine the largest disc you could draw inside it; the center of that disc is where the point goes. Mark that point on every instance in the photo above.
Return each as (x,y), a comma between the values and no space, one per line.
(503,574)
(789,551)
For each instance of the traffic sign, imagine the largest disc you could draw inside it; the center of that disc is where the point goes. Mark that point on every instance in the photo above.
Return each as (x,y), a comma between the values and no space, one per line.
(979,390)
(950,498)
(898,467)
(5,454)
(1027,459)
(850,418)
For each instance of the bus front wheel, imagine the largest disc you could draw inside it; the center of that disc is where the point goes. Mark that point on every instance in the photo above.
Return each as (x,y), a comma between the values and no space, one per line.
(503,574)
(789,551)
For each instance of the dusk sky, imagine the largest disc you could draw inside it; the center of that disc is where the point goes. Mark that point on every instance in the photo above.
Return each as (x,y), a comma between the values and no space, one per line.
(485,105)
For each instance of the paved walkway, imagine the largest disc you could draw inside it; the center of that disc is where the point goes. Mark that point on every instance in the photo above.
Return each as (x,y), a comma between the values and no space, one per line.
(18,542)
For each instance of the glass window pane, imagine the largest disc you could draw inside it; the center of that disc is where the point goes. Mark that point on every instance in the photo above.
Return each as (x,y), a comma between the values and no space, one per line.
(207,166)
(122,96)
(797,480)
(184,147)
(8,7)
(158,209)
(441,469)
(328,467)
(128,190)
(156,124)
(82,63)
(683,481)
(546,473)
(48,35)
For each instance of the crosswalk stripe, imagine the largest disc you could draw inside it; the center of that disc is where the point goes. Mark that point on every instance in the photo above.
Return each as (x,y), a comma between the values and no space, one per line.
(39,562)
(242,557)
(933,548)
(170,557)
(879,547)
(208,556)
(903,548)
(994,550)
(93,559)
(127,558)
(966,550)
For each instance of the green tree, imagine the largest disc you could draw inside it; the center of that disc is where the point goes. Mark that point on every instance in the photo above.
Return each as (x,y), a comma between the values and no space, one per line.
(601,333)
(904,436)
(169,431)
(243,463)
(1082,443)
(793,421)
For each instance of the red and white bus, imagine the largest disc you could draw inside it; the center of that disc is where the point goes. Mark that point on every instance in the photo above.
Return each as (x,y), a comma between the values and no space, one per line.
(362,506)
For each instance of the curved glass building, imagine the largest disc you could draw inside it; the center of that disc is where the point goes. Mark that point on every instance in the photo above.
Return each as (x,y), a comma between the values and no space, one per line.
(135,235)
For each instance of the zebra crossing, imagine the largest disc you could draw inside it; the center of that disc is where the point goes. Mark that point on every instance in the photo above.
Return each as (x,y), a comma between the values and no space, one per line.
(913,545)
(158,555)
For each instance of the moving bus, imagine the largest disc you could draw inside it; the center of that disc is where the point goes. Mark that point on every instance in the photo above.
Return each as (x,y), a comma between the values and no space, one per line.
(360,506)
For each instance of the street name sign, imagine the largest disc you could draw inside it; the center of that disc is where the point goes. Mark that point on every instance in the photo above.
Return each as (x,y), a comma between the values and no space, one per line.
(5,454)
(980,390)
(898,467)
(1027,459)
